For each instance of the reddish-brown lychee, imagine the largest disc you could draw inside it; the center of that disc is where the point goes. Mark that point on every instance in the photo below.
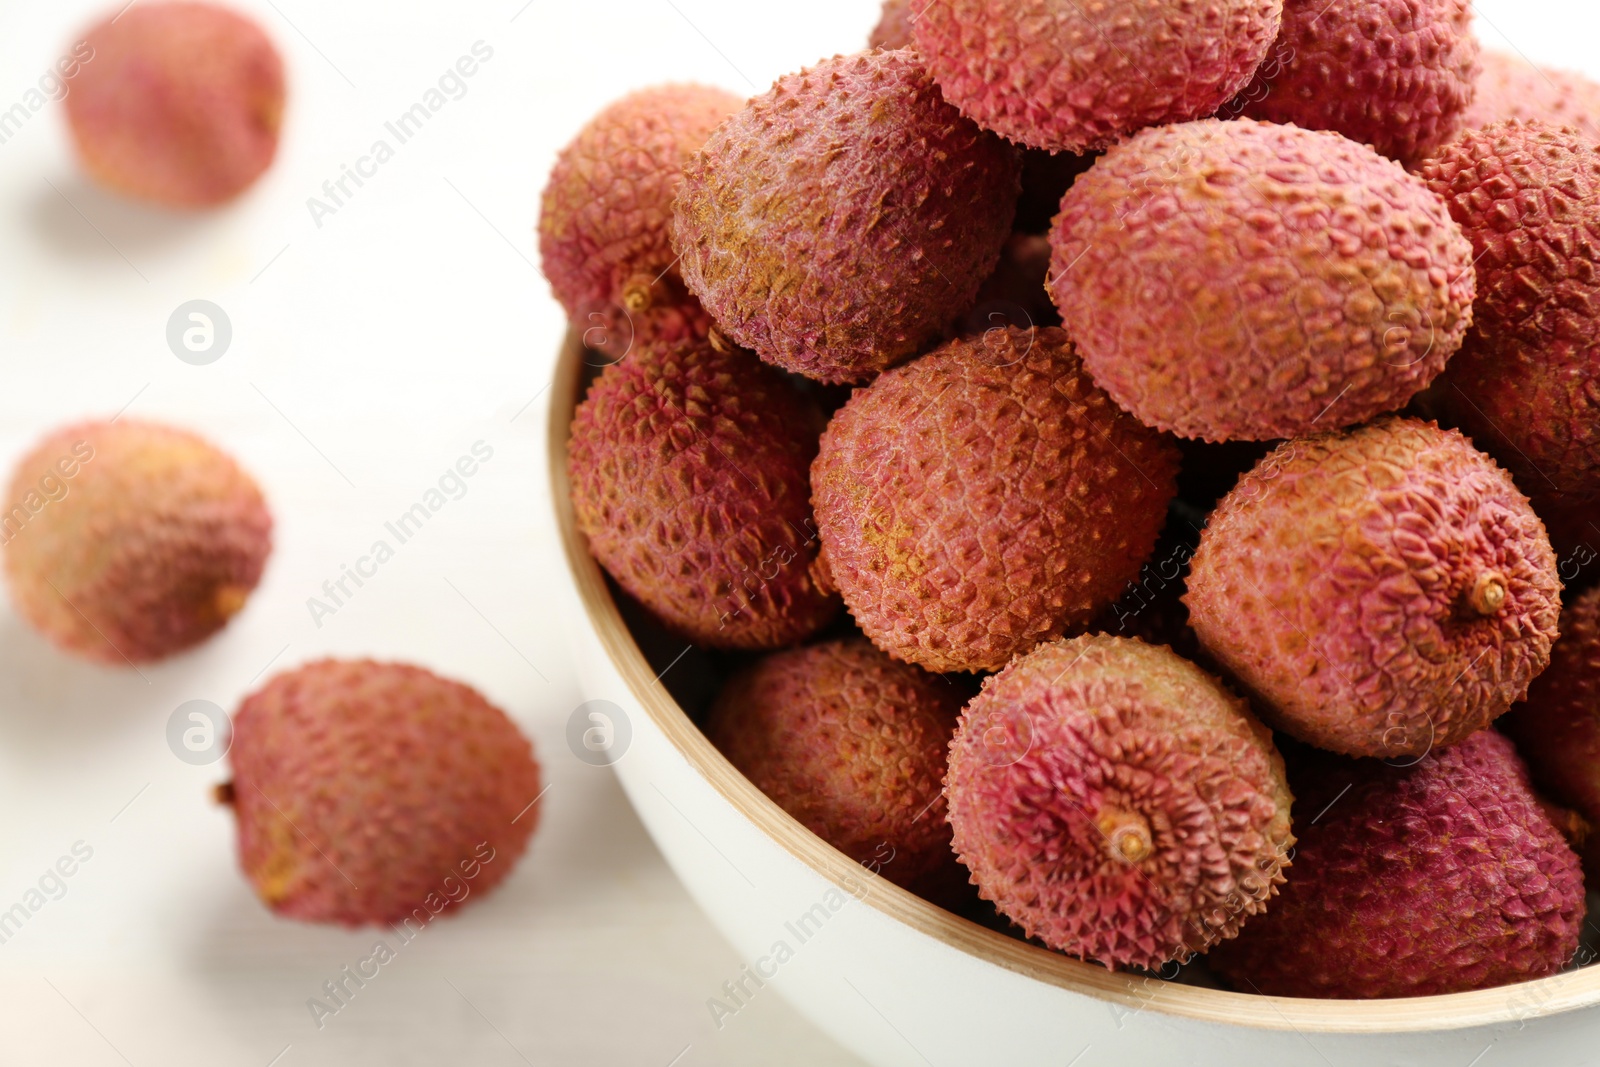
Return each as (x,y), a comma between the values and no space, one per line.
(690,478)
(373,793)
(852,744)
(179,103)
(894,26)
(1068,76)
(1246,281)
(986,498)
(1557,729)
(1509,87)
(130,541)
(1382,591)
(844,220)
(1438,877)
(604,218)
(1395,74)
(1526,384)
(1118,803)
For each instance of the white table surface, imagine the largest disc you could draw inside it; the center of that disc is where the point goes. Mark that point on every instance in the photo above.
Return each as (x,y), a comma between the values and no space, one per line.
(368,354)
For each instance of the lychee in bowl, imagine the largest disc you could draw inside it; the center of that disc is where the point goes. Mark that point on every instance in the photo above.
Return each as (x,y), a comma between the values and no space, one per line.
(901,981)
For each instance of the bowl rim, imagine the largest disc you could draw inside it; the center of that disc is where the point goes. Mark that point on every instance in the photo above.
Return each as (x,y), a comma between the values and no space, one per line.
(1510,1004)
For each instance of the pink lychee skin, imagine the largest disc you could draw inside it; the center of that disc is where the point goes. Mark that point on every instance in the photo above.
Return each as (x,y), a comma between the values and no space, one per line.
(1246,281)
(690,479)
(178,103)
(1395,74)
(377,792)
(1526,383)
(844,220)
(1117,802)
(894,26)
(605,213)
(1509,87)
(149,541)
(1439,877)
(852,744)
(1346,582)
(673,317)
(1070,76)
(986,498)
(1557,729)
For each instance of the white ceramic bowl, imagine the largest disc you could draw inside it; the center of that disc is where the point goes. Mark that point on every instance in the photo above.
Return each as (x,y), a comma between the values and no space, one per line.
(900,981)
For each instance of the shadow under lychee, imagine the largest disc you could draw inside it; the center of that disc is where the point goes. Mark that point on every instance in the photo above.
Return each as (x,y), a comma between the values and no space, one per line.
(50,701)
(84,223)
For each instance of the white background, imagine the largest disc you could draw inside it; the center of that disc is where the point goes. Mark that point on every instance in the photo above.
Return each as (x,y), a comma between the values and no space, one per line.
(368,354)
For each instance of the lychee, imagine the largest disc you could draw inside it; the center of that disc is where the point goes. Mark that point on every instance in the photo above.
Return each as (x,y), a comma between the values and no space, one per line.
(1394,74)
(1526,384)
(1117,802)
(1509,87)
(894,26)
(373,793)
(1437,877)
(129,541)
(852,744)
(986,498)
(180,103)
(690,479)
(1068,76)
(1240,280)
(604,217)
(1557,729)
(844,220)
(1382,591)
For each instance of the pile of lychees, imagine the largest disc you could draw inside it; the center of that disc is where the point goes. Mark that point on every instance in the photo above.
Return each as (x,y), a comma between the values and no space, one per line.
(1320,260)
(364,792)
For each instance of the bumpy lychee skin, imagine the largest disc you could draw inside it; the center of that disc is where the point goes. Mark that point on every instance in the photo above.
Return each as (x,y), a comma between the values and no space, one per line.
(844,219)
(690,479)
(128,541)
(1438,877)
(671,316)
(1526,384)
(1069,76)
(1117,802)
(1557,729)
(373,793)
(894,26)
(986,498)
(1509,87)
(1240,280)
(605,214)
(1395,74)
(180,103)
(852,744)
(1383,592)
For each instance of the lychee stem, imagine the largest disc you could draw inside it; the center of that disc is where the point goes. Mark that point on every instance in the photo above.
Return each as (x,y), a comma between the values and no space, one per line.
(1127,835)
(230,600)
(1488,593)
(636,295)
(223,794)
